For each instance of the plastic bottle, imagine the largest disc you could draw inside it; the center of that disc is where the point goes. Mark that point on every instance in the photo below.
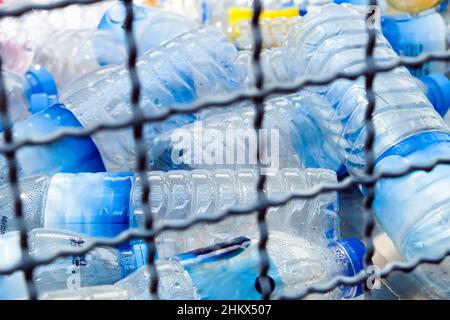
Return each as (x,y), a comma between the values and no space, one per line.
(411,35)
(189,67)
(200,63)
(413,209)
(102,265)
(291,137)
(21,37)
(28,93)
(230,271)
(303,133)
(104,204)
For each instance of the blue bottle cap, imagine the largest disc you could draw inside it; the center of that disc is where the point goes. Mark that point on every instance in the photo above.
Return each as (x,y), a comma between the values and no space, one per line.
(114,18)
(443,6)
(438,86)
(43,89)
(353,251)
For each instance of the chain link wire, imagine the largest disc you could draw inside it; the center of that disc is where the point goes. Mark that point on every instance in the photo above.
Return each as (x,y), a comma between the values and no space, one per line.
(257,95)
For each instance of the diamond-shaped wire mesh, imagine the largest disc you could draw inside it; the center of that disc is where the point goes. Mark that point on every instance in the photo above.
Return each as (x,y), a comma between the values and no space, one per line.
(257,94)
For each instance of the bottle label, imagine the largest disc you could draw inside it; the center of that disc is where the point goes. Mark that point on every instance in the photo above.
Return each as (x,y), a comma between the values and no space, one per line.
(415,143)
(228,271)
(93,204)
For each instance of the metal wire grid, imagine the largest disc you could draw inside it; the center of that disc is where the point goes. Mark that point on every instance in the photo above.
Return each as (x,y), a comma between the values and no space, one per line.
(257,95)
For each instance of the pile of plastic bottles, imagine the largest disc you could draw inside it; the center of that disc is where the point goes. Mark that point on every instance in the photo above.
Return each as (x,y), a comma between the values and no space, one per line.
(67,69)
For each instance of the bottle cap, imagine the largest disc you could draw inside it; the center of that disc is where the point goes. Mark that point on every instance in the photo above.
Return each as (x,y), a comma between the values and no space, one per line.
(350,253)
(114,18)
(43,90)
(443,6)
(438,92)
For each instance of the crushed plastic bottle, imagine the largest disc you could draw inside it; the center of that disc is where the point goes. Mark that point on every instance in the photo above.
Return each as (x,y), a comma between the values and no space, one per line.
(412,209)
(105,204)
(192,66)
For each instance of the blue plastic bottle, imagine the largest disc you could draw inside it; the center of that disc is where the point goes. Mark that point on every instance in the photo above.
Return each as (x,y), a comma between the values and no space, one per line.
(413,209)
(230,271)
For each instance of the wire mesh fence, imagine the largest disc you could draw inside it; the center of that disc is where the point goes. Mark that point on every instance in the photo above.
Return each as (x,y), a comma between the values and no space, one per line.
(257,95)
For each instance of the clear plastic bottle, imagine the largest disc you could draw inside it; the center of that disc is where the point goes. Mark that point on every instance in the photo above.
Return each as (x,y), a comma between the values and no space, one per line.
(21,37)
(104,204)
(190,67)
(413,209)
(100,266)
(230,271)
(413,34)
(28,93)
(291,137)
